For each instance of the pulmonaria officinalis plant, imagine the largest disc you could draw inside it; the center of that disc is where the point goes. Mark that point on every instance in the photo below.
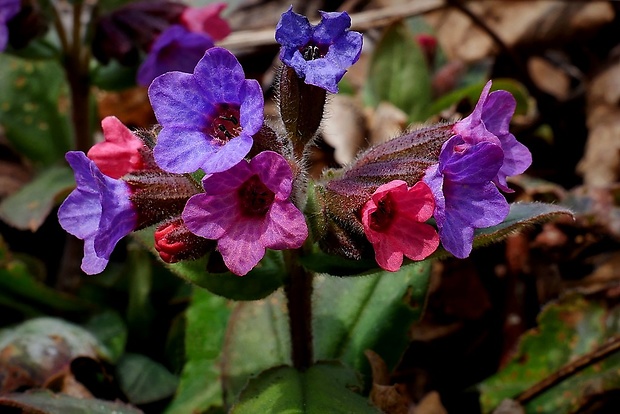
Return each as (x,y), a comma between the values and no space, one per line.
(218,184)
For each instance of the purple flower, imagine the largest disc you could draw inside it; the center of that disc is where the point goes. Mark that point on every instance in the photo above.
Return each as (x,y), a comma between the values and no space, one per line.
(319,54)
(98,211)
(489,122)
(208,117)
(247,209)
(175,49)
(465,197)
(8,10)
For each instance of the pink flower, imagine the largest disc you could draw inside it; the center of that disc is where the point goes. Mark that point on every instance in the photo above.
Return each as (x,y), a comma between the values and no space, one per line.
(247,210)
(206,20)
(393,221)
(120,153)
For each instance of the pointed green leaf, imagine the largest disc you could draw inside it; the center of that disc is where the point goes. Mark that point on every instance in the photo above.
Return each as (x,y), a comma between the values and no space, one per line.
(472,93)
(200,387)
(566,329)
(28,208)
(46,402)
(257,339)
(34,108)
(368,312)
(261,281)
(521,216)
(143,380)
(323,388)
(398,73)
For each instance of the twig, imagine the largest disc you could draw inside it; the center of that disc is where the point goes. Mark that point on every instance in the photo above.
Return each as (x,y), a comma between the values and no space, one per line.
(612,346)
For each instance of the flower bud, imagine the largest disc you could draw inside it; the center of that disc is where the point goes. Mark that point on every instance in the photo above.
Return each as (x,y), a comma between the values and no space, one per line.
(174,242)
(343,193)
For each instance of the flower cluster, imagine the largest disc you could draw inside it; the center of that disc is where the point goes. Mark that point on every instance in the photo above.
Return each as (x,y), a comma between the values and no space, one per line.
(401,199)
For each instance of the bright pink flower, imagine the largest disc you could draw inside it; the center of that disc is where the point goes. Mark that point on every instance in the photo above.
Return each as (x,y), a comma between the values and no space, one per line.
(394,219)
(247,210)
(206,20)
(120,153)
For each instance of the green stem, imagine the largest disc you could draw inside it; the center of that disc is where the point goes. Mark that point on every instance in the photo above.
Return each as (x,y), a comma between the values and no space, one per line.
(298,291)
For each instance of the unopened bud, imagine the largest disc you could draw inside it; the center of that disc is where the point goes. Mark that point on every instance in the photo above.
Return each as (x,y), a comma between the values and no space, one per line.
(174,242)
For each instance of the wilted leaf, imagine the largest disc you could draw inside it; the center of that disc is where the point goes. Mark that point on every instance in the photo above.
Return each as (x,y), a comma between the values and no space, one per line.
(37,349)
(28,208)
(567,329)
(323,388)
(45,402)
(34,108)
(200,387)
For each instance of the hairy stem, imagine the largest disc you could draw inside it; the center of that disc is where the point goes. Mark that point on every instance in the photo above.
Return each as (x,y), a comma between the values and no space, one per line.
(298,291)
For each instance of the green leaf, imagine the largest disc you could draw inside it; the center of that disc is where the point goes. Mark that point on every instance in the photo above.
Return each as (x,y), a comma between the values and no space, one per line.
(260,282)
(110,330)
(398,73)
(114,76)
(472,93)
(200,387)
(140,312)
(28,208)
(257,339)
(46,402)
(522,215)
(566,329)
(350,316)
(323,388)
(34,108)
(143,380)
(368,312)
(17,280)
(321,262)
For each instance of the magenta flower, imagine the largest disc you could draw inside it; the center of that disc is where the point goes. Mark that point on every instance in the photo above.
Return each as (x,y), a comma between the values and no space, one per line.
(319,54)
(8,10)
(489,122)
(208,117)
(393,222)
(206,20)
(120,153)
(175,49)
(98,211)
(247,210)
(465,197)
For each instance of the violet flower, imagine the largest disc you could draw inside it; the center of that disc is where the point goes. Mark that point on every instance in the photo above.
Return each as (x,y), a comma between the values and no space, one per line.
(98,211)
(319,54)
(208,117)
(8,10)
(489,122)
(175,49)
(465,197)
(393,222)
(247,210)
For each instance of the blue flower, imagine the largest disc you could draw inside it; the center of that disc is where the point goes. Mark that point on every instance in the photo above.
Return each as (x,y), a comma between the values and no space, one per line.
(319,54)
(208,117)
(175,49)
(489,122)
(98,211)
(8,10)
(465,196)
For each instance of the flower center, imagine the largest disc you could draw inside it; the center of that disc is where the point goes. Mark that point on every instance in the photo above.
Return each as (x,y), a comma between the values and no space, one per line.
(224,124)
(312,52)
(381,219)
(254,197)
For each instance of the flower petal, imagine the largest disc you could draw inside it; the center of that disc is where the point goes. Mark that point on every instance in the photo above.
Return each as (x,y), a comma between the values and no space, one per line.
(286,228)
